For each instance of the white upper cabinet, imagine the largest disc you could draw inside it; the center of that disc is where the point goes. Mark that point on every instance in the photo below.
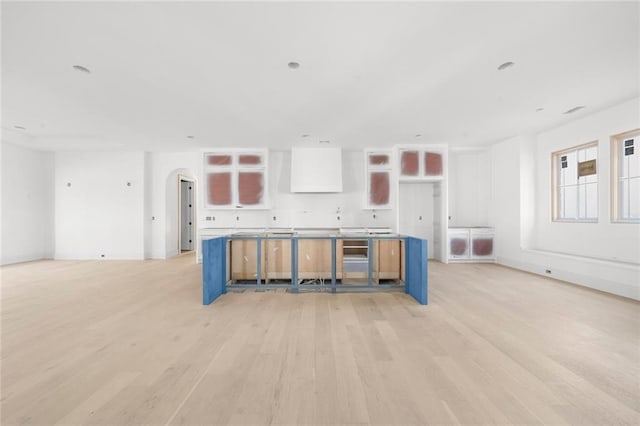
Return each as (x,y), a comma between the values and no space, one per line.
(235,179)
(421,162)
(378,170)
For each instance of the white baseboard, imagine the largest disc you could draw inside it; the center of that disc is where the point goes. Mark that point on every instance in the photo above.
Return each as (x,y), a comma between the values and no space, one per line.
(622,279)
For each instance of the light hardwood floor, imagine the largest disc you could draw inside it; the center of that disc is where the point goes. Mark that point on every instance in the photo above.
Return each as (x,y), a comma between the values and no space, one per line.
(128,342)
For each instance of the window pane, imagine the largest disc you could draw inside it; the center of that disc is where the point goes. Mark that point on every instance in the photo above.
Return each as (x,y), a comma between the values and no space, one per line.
(633,160)
(409,163)
(591,153)
(569,202)
(582,201)
(591,201)
(250,159)
(634,198)
(219,160)
(582,155)
(250,188)
(623,193)
(219,189)
(590,178)
(571,171)
(379,190)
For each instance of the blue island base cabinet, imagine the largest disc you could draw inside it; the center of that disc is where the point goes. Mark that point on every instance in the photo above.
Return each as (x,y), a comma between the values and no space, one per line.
(416,276)
(216,258)
(214,269)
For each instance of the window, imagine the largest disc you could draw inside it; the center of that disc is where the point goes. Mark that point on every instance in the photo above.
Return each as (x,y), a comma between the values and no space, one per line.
(575,184)
(625,177)
(235,179)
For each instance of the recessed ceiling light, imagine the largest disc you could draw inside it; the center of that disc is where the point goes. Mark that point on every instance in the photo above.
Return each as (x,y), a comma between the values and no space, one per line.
(574,109)
(294,65)
(539,109)
(80,68)
(19,127)
(191,137)
(418,135)
(506,65)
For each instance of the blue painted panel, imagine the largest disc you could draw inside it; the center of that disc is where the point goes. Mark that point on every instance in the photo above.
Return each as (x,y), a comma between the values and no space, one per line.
(333,265)
(259,262)
(294,265)
(214,269)
(416,269)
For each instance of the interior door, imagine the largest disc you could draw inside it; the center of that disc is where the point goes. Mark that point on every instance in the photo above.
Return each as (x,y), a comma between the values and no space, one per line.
(416,211)
(186,215)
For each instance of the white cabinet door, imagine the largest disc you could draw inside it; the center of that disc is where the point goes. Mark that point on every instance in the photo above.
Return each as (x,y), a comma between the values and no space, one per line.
(459,243)
(482,243)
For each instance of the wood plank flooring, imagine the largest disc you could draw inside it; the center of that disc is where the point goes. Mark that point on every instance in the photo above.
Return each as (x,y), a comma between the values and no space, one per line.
(128,342)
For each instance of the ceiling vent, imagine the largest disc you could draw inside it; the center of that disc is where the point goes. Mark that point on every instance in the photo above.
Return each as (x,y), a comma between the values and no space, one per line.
(574,109)
(506,65)
(82,69)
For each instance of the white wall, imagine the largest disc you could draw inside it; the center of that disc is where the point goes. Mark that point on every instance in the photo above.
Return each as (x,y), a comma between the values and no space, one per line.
(603,256)
(505,198)
(602,240)
(148,205)
(288,209)
(27,204)
(469,187)
(97,213)
(162,216)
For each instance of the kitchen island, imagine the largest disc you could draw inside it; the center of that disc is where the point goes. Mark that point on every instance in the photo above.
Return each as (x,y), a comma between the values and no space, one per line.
(316,260)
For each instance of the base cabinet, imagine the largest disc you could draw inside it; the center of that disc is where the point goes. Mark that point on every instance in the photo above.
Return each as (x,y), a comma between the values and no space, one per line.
(471,244)
(278,254)
(389,263)
(244,264)
(314,259)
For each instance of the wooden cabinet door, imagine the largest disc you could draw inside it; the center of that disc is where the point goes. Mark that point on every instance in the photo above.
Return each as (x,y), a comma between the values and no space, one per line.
(389,259)
(244,265)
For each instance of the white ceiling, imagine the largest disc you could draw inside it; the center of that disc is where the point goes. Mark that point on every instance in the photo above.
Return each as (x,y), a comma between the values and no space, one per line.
(371,74)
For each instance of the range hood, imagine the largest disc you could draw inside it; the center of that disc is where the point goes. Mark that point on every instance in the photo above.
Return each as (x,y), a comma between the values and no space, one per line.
(316,169)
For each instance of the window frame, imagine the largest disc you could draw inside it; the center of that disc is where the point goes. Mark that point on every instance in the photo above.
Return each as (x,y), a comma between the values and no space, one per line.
(616,153)
(555,184)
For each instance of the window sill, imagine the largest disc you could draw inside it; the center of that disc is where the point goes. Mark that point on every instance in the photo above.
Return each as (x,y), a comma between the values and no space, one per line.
(575,220)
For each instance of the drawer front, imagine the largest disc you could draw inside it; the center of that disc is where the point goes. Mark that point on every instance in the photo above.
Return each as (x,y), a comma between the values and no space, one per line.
(356,266)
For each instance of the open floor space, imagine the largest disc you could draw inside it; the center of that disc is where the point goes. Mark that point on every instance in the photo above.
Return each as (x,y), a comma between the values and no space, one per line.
(129,342)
